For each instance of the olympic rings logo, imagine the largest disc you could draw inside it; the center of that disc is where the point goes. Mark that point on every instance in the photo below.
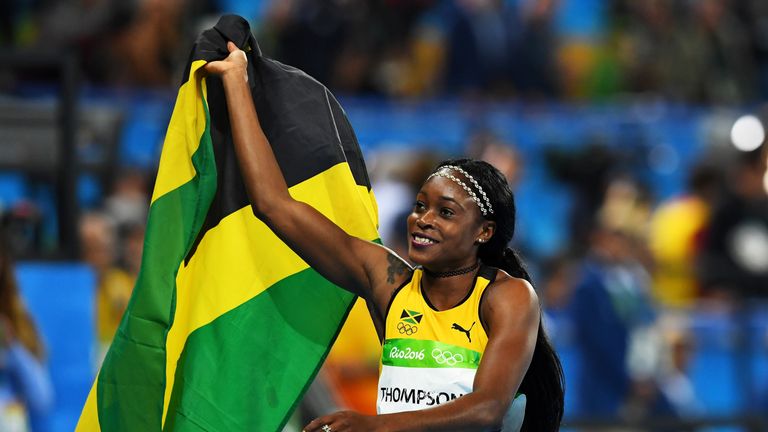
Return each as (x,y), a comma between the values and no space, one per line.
(407,329)
(446,357)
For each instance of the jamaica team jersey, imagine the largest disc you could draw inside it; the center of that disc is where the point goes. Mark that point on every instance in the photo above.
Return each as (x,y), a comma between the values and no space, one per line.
(430,357)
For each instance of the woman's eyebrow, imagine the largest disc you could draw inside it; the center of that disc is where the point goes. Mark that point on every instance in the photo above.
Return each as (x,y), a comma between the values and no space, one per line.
(451,199)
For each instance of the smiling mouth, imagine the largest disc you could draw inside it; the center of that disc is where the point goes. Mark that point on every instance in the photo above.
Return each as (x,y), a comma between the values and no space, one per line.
(421,240)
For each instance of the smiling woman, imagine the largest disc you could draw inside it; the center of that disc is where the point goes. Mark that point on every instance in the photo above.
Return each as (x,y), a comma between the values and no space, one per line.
(463,344)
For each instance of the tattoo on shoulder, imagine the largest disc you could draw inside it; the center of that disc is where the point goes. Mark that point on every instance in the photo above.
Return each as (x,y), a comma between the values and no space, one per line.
(396,267)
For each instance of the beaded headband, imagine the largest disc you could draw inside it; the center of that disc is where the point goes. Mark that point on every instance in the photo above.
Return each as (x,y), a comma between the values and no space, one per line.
(486,208)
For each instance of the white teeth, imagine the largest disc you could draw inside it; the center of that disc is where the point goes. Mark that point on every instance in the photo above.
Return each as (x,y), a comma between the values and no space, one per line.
(422,240)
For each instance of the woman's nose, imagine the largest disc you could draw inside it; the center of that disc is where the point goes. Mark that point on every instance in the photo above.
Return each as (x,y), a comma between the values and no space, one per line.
(424,220)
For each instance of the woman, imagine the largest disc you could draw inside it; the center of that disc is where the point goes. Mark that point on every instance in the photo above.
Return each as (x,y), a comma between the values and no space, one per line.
(445,314)
(26,396)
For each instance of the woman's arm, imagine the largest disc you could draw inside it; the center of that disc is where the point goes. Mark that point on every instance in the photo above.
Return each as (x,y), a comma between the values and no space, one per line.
(30,379)
(511,310)
(352,263)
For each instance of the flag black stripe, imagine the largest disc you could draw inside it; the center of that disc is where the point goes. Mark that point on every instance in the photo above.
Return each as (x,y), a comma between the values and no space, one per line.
(300,117)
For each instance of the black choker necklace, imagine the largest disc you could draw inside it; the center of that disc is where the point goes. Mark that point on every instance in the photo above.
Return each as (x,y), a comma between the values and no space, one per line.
(452,273)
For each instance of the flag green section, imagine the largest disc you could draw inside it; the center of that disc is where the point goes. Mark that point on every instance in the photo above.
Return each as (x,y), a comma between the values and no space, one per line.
(132,377)
(254,386)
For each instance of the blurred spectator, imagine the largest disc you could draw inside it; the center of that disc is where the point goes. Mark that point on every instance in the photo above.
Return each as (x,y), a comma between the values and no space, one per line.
(612,317)
(734,256)
(601,335)
(675,238)
(26,394)
(114,285)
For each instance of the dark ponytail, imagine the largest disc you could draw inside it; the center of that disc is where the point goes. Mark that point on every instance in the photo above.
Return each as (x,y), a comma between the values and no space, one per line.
(544,383)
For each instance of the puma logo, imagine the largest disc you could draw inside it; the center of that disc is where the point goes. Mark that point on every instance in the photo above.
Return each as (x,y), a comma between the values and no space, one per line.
(461,329)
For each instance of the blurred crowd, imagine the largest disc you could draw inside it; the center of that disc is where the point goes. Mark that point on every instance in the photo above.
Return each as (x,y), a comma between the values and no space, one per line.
(111,237)
(704,51)
(645,268)
(633,269)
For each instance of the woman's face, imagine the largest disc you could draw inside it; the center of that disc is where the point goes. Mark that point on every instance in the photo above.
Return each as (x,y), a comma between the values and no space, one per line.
(444,226)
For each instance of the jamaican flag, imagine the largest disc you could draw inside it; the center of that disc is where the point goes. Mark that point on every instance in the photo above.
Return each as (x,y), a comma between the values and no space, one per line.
(227,326)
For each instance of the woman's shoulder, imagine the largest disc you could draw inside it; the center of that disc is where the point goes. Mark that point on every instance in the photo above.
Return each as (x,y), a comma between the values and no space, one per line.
(506,300)
(509,290)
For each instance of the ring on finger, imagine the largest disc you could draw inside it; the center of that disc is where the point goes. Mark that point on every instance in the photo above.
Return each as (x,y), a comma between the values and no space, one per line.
(326,428)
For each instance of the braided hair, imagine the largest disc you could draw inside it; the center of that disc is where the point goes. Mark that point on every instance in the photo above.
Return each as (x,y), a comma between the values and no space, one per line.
(543,384)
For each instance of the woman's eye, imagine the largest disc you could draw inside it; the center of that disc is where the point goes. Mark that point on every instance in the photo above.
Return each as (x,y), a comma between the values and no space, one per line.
(446,212)
(418,205)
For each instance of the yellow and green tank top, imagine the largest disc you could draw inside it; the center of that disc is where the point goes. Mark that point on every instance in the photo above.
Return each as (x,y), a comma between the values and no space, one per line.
(430,357)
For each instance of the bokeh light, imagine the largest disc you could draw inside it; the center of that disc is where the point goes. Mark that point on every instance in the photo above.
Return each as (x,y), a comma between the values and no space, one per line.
(747,133)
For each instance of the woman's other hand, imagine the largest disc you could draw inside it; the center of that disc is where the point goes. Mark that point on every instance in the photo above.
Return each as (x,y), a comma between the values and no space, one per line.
(343,421)
(234,65)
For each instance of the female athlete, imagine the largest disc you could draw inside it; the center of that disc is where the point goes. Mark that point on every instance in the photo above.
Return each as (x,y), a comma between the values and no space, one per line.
(464,348)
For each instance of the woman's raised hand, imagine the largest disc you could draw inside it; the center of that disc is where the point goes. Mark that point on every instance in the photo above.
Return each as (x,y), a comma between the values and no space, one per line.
(235,64)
